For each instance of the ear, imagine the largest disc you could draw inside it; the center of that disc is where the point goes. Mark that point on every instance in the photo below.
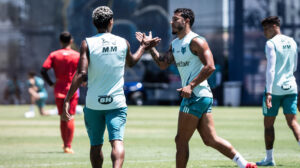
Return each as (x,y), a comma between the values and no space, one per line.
(187,20)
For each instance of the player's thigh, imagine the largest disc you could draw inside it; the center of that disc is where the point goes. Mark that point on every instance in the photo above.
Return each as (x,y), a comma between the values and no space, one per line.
(289,104)
(59,104)
(187,124)
(273,111)
(206,127)
(95,125)
(291,119)
(116,121)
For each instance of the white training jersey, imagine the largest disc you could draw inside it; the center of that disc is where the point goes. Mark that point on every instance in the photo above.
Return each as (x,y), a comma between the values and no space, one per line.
(285,65)
(107,55)
(189,65)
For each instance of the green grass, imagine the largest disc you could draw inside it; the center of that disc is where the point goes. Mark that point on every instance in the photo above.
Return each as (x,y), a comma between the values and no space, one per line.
(149,140)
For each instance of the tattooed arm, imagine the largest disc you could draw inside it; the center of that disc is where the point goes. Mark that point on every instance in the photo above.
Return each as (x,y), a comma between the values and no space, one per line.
(163,61)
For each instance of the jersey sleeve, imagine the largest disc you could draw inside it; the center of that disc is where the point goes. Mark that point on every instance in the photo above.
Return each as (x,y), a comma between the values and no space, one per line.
(48,62)
(271,62)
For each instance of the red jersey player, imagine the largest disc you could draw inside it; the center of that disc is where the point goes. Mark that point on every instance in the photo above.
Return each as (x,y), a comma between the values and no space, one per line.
(64,63)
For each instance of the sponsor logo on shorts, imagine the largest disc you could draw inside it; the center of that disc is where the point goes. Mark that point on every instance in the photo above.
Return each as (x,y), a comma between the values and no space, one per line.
(105,99)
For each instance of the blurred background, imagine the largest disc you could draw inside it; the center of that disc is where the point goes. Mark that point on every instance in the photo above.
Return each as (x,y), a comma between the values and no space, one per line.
(30,28)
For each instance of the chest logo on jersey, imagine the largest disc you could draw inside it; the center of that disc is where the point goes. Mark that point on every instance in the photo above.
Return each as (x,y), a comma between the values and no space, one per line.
(105,99)
(183,50)
(288,46)
(109,49)
(182,64)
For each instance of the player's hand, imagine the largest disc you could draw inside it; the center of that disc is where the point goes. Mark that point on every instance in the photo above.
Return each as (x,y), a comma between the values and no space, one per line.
(139,36)
(268,100)
(186,91)
(66,116)
(83,84)
(147,41)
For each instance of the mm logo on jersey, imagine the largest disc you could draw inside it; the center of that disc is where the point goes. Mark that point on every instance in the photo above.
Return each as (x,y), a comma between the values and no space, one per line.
(110,49)
(288,46)
(105,99)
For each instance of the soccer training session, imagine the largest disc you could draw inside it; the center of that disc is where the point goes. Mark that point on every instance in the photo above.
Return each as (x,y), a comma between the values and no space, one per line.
(149,84)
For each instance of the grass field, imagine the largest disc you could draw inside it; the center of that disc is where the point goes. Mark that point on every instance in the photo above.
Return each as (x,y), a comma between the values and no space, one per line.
(149,140)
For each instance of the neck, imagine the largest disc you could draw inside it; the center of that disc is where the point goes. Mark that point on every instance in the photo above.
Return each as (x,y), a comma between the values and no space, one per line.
(276,33)
(183,33)
(67,46)
(103,31)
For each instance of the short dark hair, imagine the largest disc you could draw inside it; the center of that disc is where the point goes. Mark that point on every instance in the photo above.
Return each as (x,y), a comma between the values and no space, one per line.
(102,16)
(65,37)
(186,13)
(271,20)
(31,73)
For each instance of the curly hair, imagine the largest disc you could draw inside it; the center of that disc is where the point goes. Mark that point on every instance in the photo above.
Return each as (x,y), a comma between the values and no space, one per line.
(186,14)
(271,20)
(101,17)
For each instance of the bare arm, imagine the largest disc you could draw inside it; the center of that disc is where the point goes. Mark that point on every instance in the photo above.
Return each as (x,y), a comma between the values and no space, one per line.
(79,77)
(200,48)
(163,61)
(145,44)
(132,59)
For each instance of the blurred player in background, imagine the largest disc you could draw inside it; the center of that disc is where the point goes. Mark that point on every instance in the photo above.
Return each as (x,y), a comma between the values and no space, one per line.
(195,64)
(102,61)
(281,87)
(64,63)
(38,95)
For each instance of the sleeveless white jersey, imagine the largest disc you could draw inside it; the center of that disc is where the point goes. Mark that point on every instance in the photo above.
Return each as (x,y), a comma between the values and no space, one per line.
(286,63)
(107,54)
(189,65)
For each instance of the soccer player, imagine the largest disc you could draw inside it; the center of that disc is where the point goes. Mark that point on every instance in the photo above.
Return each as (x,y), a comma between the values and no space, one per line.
(38,95)
(102,62)
(64,63)
(195,63)
(281,87)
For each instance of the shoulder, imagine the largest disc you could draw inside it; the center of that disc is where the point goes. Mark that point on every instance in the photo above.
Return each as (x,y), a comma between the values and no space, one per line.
(198,42)
(53,53)
(174,41)
(74,52)
(270,44)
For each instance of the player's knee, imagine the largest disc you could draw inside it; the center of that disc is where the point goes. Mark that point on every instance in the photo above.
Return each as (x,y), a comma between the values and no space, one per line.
(210,142)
